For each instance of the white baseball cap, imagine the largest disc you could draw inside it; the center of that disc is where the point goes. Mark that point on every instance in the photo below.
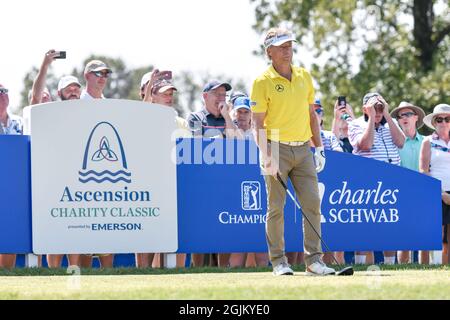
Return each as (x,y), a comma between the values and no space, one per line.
(65,81)
(277,36)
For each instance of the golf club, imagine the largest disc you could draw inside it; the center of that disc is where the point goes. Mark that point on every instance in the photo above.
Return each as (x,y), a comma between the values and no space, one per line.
(348,271)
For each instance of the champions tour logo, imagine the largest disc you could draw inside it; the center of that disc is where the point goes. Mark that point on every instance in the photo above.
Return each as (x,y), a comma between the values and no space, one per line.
(104,157)
(251,195)
(250,203)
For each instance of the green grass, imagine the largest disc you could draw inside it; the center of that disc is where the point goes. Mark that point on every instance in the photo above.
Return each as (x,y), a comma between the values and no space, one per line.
(391,282)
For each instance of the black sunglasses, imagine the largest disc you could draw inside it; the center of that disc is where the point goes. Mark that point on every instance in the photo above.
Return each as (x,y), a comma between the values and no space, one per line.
(441,119)
(101,74)
(3,91)
(406,115)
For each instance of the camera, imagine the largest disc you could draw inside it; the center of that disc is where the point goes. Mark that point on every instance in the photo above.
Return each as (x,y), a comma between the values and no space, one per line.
(379,106)
(61,55)
(342,103)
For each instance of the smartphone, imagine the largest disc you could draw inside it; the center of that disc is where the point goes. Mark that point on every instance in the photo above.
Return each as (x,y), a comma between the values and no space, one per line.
(342,103)
(62,55)
(164,75)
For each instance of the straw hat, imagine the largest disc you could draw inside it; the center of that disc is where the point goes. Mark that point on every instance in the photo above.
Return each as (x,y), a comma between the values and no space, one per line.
(403,105)
(440,109)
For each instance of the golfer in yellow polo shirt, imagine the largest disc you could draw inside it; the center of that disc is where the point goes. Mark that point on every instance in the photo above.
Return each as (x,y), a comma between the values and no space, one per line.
(283,116)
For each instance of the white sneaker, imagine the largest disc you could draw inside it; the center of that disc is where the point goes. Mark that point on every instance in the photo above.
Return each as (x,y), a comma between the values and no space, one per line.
(319,269)
(283,269)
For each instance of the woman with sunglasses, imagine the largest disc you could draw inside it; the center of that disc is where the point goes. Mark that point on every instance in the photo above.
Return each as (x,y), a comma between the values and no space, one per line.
(435,160)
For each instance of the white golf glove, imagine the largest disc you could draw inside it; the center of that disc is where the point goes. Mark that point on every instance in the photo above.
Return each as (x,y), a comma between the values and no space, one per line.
(319,158)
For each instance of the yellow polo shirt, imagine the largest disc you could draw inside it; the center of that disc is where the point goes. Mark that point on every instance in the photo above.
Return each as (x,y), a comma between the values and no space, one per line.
(286,104)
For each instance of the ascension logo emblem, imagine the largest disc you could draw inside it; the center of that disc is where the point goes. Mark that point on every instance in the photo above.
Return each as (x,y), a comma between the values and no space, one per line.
(251,195)
(104,157)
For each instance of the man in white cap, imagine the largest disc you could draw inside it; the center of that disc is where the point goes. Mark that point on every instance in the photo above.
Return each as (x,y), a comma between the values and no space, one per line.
(284,119)
(410,119)
(69,88)
(96,74)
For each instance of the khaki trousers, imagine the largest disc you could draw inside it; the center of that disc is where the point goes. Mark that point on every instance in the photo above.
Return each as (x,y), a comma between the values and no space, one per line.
(296,163)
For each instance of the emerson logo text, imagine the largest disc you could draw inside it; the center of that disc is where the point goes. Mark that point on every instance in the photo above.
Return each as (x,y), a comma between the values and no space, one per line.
(116,226)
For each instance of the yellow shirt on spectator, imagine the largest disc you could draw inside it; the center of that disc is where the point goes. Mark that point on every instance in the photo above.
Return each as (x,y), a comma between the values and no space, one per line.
(286,104)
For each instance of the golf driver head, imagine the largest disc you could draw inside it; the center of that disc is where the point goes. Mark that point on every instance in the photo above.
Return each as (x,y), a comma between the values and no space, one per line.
(348,271)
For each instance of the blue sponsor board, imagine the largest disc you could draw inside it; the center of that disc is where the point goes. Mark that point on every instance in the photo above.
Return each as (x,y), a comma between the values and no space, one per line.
(15,194)
(366,204)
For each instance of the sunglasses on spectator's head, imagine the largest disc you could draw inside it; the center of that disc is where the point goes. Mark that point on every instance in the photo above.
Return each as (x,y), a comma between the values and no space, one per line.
(405,115)
(101,74)
(3,91)
(441,119)
(319,111)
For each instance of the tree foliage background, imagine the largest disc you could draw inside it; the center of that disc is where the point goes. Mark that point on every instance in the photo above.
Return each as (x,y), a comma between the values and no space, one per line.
(398,48)
(401,47)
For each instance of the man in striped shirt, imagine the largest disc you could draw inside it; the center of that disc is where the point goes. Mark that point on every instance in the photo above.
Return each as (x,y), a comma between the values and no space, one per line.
(376,136)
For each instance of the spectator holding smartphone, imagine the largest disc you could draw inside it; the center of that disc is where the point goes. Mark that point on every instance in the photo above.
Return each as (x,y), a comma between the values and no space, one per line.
(39,92)
(69,88)
(342,114)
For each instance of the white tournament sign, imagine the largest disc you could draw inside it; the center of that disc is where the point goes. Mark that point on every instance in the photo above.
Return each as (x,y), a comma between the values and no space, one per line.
(103,180)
